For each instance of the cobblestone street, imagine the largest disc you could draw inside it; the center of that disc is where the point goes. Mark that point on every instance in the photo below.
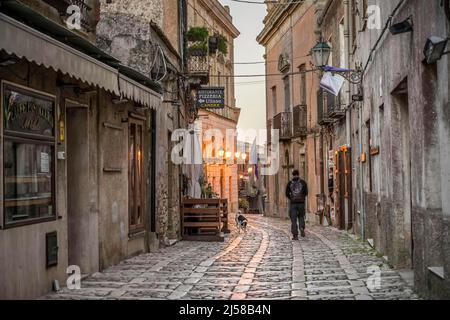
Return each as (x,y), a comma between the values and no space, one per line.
(262,264)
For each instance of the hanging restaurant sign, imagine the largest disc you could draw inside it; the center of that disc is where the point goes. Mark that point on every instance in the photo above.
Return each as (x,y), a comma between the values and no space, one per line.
(211,98)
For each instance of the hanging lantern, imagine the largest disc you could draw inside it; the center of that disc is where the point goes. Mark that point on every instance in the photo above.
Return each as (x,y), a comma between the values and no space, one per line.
(321,54)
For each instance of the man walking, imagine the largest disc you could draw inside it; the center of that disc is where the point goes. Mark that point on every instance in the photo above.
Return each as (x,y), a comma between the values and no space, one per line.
(296,192)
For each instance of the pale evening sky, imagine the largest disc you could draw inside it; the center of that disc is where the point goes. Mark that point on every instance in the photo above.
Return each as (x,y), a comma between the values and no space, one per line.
(250,97)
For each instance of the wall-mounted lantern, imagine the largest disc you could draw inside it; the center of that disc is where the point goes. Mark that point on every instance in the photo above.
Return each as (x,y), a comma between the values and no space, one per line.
(402,27)
(435,49)
(321,54)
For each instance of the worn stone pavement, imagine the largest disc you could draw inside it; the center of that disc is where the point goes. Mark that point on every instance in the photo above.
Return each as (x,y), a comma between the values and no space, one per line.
(262,264)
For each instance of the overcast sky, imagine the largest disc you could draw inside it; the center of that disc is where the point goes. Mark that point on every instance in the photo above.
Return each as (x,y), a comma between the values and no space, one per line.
(250,97)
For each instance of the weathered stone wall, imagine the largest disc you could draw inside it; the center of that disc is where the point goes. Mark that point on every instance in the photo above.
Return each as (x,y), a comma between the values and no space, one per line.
(415,237)
(126,31)
(143,10)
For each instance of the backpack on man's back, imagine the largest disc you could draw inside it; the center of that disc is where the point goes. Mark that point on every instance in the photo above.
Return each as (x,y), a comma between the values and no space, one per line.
(297,191)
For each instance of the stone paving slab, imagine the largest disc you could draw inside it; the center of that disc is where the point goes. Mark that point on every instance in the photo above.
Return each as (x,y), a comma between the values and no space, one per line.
(261,264)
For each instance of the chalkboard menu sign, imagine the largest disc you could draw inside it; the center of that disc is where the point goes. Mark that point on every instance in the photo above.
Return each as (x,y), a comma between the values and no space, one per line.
(28,112)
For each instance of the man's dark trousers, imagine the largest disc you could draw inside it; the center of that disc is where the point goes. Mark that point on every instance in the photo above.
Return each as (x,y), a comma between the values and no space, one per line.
(297,212)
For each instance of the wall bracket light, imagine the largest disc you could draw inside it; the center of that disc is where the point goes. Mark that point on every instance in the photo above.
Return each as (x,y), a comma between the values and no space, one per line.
(321,54)
(435,49)
(402,27)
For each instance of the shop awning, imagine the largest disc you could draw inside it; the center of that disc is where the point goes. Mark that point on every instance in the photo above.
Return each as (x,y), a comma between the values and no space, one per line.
(25,42)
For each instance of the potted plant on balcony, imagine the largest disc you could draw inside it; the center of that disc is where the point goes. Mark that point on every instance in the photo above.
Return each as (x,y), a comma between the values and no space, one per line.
(223,45)
(218,43)
(198,38)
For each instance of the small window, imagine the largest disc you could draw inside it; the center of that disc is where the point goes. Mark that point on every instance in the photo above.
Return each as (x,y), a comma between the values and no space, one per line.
(303,89)
(274,101)
(28,156)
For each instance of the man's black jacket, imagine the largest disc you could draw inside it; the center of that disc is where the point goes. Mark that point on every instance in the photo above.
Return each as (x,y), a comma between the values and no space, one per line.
(288,187)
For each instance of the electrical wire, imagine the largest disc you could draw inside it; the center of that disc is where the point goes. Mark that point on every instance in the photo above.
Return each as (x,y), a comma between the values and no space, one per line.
(267,2)
(269,61)
(387,25)
(165,64)
(264,75)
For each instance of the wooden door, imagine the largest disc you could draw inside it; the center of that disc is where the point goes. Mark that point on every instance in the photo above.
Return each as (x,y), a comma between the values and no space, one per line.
(135,175)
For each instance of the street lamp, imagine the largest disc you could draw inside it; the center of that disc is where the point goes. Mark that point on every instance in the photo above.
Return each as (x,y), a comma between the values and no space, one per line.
(321,54)
(435,49)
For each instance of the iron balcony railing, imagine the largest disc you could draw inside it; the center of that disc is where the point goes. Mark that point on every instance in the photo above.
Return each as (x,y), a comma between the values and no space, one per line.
(283,123)
(300,114)
(227,112)
(323,106)
(335,107)
(198,67)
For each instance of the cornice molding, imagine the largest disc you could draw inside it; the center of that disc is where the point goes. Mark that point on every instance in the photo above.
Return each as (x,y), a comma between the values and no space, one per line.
(221,15)
(274,19)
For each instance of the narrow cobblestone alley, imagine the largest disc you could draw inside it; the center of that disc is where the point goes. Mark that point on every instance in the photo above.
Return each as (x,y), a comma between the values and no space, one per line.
(262,264)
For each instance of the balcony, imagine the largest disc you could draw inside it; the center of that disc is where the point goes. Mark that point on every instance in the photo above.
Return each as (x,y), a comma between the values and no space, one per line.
(231,113)
(87,21)
(283,123)
(300,121)
(323,116)
(334,106)
(198,68)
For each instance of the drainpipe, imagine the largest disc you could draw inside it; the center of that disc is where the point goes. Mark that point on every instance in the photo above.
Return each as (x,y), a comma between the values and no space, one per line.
(348,112)
(362,211)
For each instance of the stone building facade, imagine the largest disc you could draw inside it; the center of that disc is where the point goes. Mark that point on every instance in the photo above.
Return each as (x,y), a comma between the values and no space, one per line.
(288,36)
(77,135)
(334,114)
(147,35)
(402,130)
(383,144)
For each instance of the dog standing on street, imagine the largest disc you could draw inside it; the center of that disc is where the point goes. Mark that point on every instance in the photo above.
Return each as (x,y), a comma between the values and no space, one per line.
(241,221)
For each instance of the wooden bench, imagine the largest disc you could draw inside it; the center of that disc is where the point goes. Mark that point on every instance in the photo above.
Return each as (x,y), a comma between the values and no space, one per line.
(204,219)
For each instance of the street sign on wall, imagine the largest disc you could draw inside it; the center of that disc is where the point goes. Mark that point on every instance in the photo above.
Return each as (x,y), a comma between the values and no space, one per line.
(211,98)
